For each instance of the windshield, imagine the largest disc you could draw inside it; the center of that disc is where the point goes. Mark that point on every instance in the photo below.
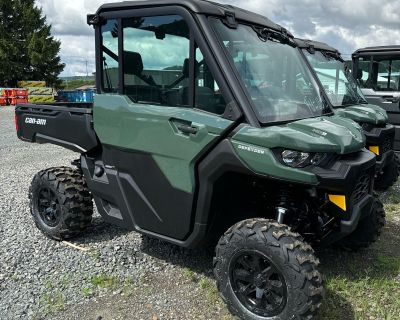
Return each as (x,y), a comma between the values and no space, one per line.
(339,85)
(274,74)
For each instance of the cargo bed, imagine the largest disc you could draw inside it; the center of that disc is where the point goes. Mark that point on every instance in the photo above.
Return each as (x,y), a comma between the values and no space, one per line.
(65,124)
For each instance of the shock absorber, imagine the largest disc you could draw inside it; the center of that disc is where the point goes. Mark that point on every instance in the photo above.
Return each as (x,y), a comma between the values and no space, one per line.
(284,202)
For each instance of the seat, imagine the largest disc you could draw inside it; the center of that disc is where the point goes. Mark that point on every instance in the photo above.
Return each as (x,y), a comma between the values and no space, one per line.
(143,88)
(205,98)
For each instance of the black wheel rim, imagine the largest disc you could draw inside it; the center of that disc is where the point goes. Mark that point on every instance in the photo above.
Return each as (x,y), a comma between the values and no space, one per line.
(48,207)
(258,284)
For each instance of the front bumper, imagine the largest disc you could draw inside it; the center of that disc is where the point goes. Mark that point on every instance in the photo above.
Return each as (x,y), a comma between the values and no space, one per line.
(352,176)
(383,138)
(359,211)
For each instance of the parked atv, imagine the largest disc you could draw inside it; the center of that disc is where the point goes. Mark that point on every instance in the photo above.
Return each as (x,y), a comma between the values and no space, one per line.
(346,98)
(200,134)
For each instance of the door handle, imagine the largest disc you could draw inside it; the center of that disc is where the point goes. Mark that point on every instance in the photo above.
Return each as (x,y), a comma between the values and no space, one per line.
(187,129)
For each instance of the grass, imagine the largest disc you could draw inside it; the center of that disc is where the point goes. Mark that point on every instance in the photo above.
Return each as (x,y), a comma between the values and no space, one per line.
(392,203)
(73,84)
(366,284)
(104,281)
(87,292)
(205,284)
(191,275)
(53,302)
(363,289)
(210,289)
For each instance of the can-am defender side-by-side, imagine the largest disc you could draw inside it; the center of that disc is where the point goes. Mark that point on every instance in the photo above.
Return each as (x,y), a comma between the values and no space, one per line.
(377,70)
(347,100)
(209,125)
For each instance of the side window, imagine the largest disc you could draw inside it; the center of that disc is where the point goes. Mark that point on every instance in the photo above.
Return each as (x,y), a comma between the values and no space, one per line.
(207,93)
(384,75)
(388,74)
(110,64)
(156,60)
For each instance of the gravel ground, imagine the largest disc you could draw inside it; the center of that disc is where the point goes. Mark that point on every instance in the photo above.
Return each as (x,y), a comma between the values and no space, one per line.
(40,277)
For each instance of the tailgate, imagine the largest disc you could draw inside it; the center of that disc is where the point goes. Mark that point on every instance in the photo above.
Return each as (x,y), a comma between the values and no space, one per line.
(70,127)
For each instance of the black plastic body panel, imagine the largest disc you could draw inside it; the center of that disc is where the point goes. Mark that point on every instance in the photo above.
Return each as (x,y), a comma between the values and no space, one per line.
(341,176)
(107,194)
(66,125)
(384,160)
(384,138)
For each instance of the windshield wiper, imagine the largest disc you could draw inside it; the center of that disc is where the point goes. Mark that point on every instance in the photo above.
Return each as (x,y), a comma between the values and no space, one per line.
(332,55)
(267,34)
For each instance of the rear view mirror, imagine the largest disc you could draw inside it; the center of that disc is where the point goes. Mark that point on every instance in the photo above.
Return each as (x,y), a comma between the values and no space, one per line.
(160,34)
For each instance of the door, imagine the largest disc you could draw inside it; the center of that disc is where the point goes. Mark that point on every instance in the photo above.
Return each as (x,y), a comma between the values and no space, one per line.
(168,117)
(379,78)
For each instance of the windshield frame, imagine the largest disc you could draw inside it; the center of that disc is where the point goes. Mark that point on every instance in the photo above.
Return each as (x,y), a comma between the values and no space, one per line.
(339,60)
(313,78)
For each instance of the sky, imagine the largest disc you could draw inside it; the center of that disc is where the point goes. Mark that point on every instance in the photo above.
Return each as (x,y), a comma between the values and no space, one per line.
(343,24)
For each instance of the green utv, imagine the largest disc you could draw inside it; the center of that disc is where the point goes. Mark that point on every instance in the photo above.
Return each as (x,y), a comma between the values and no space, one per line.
(347,100)
(209,125)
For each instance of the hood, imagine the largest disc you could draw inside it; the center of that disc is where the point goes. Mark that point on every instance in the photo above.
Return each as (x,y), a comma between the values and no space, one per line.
(364,113)
(323,134)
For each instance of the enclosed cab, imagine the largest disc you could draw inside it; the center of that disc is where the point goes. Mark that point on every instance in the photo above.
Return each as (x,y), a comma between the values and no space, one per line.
(210,129)
(377,70)
(346,98)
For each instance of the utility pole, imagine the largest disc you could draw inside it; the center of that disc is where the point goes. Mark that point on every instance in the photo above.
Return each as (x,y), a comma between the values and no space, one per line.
(87,74)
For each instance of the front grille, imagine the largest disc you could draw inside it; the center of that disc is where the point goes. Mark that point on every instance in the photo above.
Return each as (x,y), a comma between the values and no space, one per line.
(361,188)
(386,145)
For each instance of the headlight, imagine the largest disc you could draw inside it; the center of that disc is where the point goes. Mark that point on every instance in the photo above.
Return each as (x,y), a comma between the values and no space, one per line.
(298,159)
(294,158)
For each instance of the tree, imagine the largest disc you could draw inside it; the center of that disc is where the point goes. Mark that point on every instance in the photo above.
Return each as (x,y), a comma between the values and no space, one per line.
(28,51)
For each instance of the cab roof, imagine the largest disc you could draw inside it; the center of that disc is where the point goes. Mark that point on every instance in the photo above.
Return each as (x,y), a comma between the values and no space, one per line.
(319,46)
(199,7)
(377,49)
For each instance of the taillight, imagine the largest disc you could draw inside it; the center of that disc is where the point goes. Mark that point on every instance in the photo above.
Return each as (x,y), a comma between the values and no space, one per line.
(16,123)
